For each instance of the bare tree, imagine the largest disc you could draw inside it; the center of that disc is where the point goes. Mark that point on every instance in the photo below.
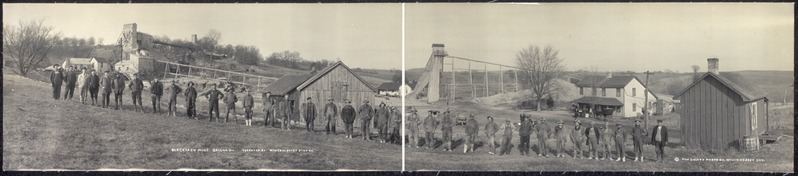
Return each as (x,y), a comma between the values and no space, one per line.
(541,68)
(28,44)
(695,72)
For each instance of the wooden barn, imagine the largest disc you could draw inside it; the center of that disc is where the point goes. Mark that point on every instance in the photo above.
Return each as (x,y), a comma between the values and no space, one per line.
(336,81)
(720,110)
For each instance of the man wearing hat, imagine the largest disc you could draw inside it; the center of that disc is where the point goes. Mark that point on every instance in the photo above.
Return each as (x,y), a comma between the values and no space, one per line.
(268,109)
(365,112)
(230,100)
(592,141)
(524,131)
(606,141)
(174,90)
(471,129)
(213,95)
(396,120)
(285,113)
(577,136)
(94,86)
(119,88)
(310,114)
(191,101)
(107,84)
(637,139)
(56,80)
(249,102)
(490,132)
(506,138)
(659,137)
(330,111)
(620,139)
(559,136)
(348,116)
(413,121)
(383,116)
(136,86)
(156,91)
(430,124)
(543,130)
(446,131)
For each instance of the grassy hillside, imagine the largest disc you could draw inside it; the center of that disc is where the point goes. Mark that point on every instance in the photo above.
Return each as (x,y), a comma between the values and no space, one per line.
(41,133)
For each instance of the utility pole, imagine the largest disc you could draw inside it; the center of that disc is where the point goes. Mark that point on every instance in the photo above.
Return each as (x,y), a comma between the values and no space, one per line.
(645,107)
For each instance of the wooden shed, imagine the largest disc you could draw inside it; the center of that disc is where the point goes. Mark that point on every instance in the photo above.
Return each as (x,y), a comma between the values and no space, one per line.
(719,110)
(336,81)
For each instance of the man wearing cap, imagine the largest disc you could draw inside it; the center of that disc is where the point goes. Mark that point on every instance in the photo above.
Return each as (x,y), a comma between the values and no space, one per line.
(56,79)
(637,139)
(330,111)
(348,116)
(83,85)
(107,84)
(592,141)
(383,116)
(230,100)
(70,77)
(560,137)
(248,102)
(544,132)
(191,100)
(446,131)
(310,115)
(94,86)
(506,138)
(365,113)
(620,139)
(156,91)
(174,90)
(605,140)
(284,112)
(577,136)
(413,122)
(136,86)
(659,137)
(213,95)
(396,136)
(524,131)
(490,132)
(268,109)
(472,129)
(430,124)
(119,88)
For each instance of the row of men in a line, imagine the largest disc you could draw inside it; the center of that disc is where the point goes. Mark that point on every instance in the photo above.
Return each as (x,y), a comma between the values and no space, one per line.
(597,140)
(91,84)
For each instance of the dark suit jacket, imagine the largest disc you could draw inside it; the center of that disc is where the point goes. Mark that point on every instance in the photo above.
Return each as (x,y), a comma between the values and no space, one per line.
(664,131)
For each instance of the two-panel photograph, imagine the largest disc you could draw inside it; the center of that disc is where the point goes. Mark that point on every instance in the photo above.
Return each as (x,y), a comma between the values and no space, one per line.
(399,87)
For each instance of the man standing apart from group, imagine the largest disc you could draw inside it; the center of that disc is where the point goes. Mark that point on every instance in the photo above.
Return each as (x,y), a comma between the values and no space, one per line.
(366,113)
(490,132)
(330,111)
(659,137)
(56,78)
(348,116)
(136,86)
(191,101)
(637,138)
(156,91)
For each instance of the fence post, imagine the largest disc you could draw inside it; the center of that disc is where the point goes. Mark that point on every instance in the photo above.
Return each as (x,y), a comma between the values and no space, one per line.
(471,82)
(486,81)
(454,84)
(501,78)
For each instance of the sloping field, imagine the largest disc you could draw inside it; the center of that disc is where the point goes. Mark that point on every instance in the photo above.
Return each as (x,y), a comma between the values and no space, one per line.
(41,133)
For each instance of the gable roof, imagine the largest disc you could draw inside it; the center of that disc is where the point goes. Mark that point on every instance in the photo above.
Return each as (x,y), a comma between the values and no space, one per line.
(733,81)
(389,86)
(286,84)
(603,81)
(79,61)
(100,60)
(327,70)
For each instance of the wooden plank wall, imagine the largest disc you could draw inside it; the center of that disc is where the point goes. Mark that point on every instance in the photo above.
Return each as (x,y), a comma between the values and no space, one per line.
(322,89)
(713,116)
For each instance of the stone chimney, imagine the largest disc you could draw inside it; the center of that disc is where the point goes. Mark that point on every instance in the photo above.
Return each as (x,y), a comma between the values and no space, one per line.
(712,65)
(194,38)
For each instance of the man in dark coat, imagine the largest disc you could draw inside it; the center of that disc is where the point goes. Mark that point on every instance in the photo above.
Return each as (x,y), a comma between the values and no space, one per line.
(94,86)
(577,136)
(637,138)
(268,109)
(310,115)
(330,111)
(248,104)
(383,117)
(156,91)
(119,88)
(348,116)
(191,100)
(506,138)
(471,130)
(285,113)
(136,86)
(365,112)
(592,134)
(213,95)
(659,137)
(396,120)
(524,131)
(230,100)
(56,79)
(174,90)
(70,78)
(107,84)
(446,130)
(620,139)
(543,132)
(490,132)
(430,124)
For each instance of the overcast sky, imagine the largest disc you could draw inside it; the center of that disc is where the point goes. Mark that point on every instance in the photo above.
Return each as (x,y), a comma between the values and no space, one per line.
(611,37)
(359,34)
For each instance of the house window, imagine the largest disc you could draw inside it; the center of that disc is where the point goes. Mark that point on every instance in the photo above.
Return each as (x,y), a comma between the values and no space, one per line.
(618,92)
(634,92)
(581,91)
(594,91)
(603,91)
(634,106)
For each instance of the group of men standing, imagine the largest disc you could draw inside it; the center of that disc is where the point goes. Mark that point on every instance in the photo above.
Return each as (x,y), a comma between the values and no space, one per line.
(596,140)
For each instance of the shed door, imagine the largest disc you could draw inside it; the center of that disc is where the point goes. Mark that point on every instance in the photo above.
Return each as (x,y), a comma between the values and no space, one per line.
(753,118)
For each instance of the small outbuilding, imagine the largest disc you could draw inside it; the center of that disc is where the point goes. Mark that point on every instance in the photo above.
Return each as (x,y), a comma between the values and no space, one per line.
(389,89)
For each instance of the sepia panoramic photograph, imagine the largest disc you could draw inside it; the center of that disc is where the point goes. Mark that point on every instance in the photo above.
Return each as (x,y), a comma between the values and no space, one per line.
(699,87)
(228,87)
